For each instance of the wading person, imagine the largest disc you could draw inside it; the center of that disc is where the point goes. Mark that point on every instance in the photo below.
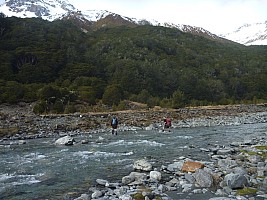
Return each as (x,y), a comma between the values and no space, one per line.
(114,124)
(167,123)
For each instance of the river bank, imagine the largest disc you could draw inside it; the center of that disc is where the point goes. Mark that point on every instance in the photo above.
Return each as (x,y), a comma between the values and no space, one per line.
(19,122)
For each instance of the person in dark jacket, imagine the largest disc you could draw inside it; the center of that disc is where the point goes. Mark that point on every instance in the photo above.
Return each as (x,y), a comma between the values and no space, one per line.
(114,124)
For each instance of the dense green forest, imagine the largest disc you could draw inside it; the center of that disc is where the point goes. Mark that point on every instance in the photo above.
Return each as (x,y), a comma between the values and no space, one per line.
(60,67)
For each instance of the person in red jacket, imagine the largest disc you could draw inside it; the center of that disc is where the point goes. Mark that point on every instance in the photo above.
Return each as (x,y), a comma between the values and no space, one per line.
(167,123)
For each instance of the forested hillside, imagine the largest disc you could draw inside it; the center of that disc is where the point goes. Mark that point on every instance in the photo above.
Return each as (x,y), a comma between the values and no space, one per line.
(60,66)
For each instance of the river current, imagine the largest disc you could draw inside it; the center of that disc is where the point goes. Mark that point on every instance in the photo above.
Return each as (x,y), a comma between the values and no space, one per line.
(40,169)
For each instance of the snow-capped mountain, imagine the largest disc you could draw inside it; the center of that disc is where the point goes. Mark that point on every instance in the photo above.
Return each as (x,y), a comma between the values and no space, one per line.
(46,9)
(253,34)
(63,9)
(249,34)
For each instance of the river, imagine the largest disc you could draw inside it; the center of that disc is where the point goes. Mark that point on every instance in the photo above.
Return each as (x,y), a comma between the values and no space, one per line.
(41,170)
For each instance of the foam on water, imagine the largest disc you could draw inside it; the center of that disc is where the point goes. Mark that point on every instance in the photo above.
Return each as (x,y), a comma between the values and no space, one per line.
(34,156)
(135,142)
(183,137)
(149,143)
(100,154)
(10,180)
(110,154)
(83,154)
(26,179)
(64,150)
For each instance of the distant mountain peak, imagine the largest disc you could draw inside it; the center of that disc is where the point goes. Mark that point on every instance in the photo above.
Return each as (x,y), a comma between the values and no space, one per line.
(46,9)
(249,34)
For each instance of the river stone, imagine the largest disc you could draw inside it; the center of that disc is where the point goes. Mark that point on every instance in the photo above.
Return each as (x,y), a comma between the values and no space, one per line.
(142,165)
(102,182)
(224,151)
(191,166)
(189,178)
(172,182)
(83,197)
(264,185)
(186,187)
(248,142)
(235,181)
(96,194)
(235,144)
(240,170)
(67,140)
(84,142)
(138,176)
(134,178)
(126,197)
(203,179)
(155,175)
(175,166)
(22,142)
(254,159)
(226,163)
(127,179)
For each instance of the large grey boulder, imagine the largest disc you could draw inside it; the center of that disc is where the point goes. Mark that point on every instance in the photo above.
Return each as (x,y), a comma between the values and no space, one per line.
(203,179)
(235,181)
(67,140)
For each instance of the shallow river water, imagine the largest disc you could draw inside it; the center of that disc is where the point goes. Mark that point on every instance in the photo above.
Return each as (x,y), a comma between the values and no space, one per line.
(41,170)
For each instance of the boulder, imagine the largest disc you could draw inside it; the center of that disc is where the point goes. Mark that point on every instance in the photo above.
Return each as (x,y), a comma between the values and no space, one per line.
(102,182)
(127,180)
(175,166)
(83,197)
(235,181)
(227,163)
(203,179)
(142,165)
(191,166)
(134,177)
(155,175)
(96,194)
(225,151)
(67,140)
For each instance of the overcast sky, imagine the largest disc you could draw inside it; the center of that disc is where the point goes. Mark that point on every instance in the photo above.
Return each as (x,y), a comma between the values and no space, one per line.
(217,16)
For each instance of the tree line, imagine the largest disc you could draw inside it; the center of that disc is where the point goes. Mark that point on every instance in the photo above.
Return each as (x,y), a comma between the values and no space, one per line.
(61,67)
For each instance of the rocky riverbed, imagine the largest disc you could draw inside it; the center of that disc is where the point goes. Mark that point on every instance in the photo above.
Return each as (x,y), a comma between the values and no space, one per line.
(235,171)
(19,122)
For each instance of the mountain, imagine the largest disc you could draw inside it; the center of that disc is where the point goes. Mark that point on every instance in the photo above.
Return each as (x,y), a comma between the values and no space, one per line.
(61,67)
(87,19)
(45,9)
(249,34)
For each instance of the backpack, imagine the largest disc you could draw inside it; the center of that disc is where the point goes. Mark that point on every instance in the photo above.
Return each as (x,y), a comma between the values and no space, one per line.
(114,121)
